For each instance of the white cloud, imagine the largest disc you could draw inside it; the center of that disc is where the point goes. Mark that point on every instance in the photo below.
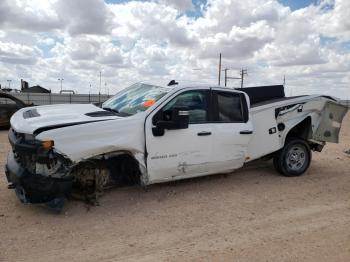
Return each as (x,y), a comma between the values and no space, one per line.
(239,42)
(84,16)
(336,22)
(46,41)
(34,15)
(12,53)
(158,40)
(182,5)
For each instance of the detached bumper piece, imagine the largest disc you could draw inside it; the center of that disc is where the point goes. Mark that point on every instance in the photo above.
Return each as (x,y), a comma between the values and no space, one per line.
(35,188)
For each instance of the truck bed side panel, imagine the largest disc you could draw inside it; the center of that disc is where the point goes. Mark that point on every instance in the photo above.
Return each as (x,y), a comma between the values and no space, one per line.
(326,116)
(265,138)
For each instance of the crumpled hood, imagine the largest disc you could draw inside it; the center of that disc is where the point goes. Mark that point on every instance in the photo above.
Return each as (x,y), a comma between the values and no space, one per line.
(30,119)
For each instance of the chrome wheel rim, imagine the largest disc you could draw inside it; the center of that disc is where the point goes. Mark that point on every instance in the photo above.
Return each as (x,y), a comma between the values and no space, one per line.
(296,157)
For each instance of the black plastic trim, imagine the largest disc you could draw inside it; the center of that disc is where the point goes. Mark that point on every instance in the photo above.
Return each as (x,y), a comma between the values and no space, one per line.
(47,128)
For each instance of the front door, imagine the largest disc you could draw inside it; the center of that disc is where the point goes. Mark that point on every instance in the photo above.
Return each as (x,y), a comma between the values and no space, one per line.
(180,153)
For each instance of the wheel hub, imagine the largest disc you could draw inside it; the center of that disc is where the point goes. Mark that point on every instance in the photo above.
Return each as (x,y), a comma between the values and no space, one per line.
(296,157)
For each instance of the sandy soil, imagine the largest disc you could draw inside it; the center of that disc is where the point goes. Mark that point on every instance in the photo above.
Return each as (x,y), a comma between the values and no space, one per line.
(250,215)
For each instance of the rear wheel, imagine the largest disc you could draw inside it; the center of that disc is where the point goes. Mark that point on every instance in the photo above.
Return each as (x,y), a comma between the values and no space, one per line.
(294,158)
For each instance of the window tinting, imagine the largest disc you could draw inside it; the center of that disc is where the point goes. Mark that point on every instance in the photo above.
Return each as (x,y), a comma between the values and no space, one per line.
(195,101)
(229,107)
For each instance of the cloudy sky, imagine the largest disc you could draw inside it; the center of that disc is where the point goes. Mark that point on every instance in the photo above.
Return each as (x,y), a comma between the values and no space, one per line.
(156,41)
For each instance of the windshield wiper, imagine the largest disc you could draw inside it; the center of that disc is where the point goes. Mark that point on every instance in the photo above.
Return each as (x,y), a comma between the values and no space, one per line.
(110,109)
(116,111)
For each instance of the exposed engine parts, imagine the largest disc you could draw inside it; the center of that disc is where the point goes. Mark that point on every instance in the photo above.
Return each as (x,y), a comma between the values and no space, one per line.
(92,177)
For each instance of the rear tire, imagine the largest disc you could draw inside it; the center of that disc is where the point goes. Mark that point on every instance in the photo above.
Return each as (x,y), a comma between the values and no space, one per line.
(294,158)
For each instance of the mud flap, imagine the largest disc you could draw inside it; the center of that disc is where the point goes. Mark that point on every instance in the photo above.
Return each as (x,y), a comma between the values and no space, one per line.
(329,126)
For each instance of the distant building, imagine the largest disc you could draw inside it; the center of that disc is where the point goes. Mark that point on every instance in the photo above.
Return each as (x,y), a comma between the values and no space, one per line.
(35,89)
(24,84)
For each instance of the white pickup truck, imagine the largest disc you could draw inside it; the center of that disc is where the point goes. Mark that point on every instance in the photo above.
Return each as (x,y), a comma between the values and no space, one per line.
(148,134)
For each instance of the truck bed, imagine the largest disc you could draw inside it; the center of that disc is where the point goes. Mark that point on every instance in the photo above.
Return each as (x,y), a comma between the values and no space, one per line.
(324,113)
(274,100)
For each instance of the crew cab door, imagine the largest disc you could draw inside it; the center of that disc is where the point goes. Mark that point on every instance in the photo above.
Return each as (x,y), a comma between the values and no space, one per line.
(232,129)
(175,150)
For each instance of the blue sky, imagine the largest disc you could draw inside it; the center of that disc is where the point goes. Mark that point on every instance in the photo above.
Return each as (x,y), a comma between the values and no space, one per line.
(294,4)
(297,4)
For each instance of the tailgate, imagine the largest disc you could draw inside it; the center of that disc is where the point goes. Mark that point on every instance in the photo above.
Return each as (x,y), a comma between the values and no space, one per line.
(330,122)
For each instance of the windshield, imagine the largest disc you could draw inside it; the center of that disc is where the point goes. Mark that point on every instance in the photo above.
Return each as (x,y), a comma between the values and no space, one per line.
(134,99)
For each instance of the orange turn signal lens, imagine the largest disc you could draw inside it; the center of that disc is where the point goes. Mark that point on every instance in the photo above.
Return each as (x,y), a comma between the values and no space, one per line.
(47,144)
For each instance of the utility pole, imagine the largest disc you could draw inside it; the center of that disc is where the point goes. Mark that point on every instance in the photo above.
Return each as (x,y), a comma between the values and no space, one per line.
(9,81)
(227,77)
(284,80)
(61,79)
(106,89)
(100,82)
(243,73)
(220,70)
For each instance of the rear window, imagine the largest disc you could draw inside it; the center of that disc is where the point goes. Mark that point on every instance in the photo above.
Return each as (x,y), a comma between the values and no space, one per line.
(228,107)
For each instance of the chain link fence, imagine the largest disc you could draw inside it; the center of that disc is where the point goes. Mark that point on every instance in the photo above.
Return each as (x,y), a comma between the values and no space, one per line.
(48,99)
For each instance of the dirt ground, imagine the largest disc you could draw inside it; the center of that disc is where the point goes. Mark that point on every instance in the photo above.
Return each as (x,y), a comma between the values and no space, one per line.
(250,215)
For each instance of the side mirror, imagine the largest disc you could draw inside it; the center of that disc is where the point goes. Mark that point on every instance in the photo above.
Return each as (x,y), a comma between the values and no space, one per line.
(181,117)
(179,120)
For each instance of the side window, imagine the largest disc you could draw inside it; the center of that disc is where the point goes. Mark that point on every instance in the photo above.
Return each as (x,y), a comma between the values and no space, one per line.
(196,102)
(228,107)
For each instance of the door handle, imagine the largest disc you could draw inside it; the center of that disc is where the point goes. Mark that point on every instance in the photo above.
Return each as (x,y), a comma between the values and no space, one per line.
(204,133)
(246,132)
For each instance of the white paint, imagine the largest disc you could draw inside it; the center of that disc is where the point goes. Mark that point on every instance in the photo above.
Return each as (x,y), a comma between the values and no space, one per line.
(178,153)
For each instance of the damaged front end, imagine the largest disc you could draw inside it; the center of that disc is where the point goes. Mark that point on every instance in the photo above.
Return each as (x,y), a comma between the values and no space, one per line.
(35,171)
(39,174)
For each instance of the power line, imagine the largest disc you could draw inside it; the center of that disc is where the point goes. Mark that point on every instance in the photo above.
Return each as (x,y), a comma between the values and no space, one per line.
(228,77)
(243,73)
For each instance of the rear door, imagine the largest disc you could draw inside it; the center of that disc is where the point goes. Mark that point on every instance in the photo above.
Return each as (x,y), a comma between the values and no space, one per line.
(232,129)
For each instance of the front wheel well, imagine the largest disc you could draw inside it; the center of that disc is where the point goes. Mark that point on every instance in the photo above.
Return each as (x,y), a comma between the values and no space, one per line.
(124,169)
(91,177)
